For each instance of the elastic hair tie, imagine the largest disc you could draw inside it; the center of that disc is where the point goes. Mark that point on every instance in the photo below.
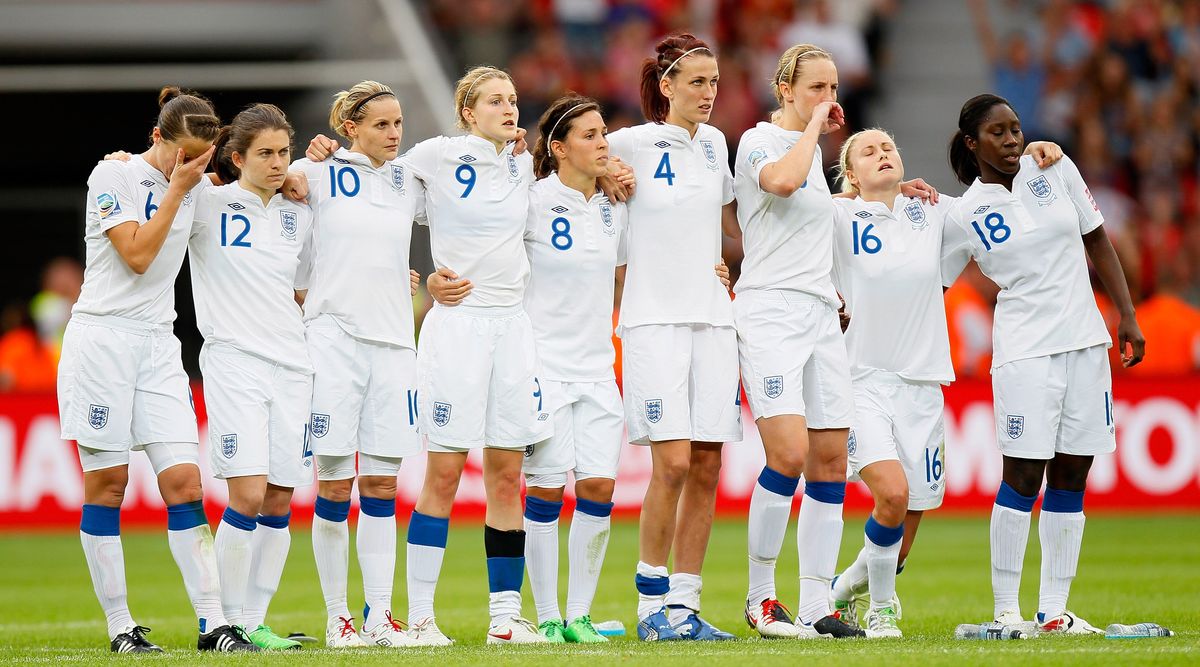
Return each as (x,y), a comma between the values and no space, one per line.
(550,137)
(361,103)
(685,54)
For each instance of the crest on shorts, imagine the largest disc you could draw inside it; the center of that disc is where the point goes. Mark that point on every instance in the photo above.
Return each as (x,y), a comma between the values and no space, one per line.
(398,177)
(229,445)
(441,413)
(773,386)
(1016,426)
(287,219)
(1040,187)
(916,215)
(851,443)
(97,416)
(528,451)
(654,410)
(319,425)
(710,153)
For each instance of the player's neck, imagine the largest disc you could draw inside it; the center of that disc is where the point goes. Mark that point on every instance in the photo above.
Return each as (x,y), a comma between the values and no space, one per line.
(498,144)
(789,120)
(355,148)
(263,194)
(577,180)
(678,121)
(151,158)
(988,174)
(887,197)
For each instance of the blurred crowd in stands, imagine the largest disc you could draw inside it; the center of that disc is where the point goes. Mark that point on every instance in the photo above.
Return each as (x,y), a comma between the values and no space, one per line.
(1116,82)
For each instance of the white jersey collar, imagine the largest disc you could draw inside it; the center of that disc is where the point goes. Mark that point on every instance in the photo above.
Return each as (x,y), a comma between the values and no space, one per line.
(245,195)
(150,170)
(562,188)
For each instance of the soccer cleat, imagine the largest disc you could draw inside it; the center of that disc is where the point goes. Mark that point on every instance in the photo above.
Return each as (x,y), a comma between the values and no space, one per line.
(846,611)
(425,632)
(656,628)
(697,629)
(265,638)
(552,630)
(881,624)
(1012,619)
(515,630)
(770,619)
(339,633)
(1067,623)
(829,627)
(133,640)
(389,633)
(226,639)
(581,631)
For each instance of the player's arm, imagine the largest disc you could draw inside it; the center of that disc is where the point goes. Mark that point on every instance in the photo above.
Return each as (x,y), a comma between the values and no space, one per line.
(138,245)
(619,182)
(1108,267)
(785,176)
(1045,153)
(729,221)
(447,288)
(320,148)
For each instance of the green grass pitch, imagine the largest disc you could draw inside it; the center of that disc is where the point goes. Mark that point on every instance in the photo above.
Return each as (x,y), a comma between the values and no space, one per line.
(1134,568)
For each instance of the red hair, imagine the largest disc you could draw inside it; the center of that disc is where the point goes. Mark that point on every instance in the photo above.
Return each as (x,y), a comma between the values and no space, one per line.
(668,51)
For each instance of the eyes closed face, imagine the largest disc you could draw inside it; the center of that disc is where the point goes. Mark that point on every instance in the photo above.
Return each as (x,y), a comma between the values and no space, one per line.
(265,164)
(586,145)
(693,88)
(379,133)
(999,142)
(875,162)
(494,115)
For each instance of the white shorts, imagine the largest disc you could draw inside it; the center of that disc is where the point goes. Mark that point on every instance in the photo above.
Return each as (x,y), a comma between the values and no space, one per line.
(257,417)
(588,425)
(121,385)
(162,455)
(477,378)
(1058,404)
(364,394)
(793,357)
(334,468)
(898,420)
(681,383)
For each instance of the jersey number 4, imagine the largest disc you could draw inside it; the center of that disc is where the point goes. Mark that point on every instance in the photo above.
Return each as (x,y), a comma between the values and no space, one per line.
(240,241)
(664,169)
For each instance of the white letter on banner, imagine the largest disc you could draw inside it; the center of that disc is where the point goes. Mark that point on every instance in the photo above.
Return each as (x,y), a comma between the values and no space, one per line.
(972,460)
(8,464)
(49,466)
(1137,464)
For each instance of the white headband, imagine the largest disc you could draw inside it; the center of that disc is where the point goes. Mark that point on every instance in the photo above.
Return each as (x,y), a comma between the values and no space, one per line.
(472,86)
(550,137)
(685,54)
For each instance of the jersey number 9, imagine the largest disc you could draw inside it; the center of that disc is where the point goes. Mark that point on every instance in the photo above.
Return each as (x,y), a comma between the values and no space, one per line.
(465,174)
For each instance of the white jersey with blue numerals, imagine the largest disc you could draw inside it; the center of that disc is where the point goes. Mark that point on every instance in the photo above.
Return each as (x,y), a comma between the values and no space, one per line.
(476,202)
(574,245)
(245,258)
(887,265)
(1030,242)
(120,192)
(362,229)
(675,225)
(787,240)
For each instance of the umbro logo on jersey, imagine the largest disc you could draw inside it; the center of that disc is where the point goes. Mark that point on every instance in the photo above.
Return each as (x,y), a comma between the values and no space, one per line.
(663,144)
(981,209)
(467,158)
(148,183)
(863,214)
(341,160)
(559,209)
(236,206)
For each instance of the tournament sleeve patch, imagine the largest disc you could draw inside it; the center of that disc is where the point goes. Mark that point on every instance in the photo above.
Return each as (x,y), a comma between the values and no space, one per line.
(108,204)
(757,155)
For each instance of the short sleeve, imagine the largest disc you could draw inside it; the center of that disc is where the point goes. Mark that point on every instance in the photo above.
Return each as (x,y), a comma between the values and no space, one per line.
(841,221)
(423,158)
(531,217)
(420,213)
(1085,206)
(110,200)
(621,144)
(759,153)
(956,247)
(312,172)
(623,240)
(304,270)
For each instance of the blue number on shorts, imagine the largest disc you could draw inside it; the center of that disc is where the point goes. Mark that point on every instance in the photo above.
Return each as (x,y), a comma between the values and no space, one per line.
(238,242)
(867,242)
(933,464)
(337,181)
(412,407)
(151,207)
(1108,416)
(997,231)
(468,180)
(538,394)
(560,236)
(664,169)
(307,451)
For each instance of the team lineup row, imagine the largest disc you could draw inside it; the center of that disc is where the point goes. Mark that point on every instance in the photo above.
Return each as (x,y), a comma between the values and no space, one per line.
(303,295)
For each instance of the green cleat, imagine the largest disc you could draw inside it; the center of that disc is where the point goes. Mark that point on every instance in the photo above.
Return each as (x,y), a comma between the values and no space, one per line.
(581,631)
(553,631)
(266,639)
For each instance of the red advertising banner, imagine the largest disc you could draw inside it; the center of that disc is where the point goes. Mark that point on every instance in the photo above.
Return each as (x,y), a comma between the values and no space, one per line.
(1156,465)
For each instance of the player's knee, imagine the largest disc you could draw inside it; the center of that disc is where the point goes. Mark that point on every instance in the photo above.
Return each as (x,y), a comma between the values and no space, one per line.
(789,462)
(671,471)
(892,505)
(106,486)
(377,486)
(337,490)
(705,471)
(552,494)
(595,489)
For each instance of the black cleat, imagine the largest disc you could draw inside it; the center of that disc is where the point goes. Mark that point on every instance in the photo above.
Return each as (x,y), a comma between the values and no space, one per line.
(837,628)
(133,641)
(225,639)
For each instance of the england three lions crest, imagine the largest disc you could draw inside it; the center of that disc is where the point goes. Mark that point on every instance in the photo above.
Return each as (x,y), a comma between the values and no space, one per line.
(514,174)
(654,410)
(1040,187)
(319,425)
(441,413)
(710,153)
(398,177)
(1016,426)
(97,416)
(916,215)
(287,220)
(851,443)
(229,445)
(773,386)
(606,217)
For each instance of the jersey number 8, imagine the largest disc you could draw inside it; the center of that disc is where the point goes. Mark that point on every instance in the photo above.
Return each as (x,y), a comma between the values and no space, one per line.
(560,234)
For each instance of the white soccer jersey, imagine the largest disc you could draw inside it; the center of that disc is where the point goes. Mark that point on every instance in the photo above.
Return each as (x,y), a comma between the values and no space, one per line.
(120,192)
(574,245)
(787,240)
(1030,243)
(887,265)
(244,259)
(477,202)
(362,228)
(675,225)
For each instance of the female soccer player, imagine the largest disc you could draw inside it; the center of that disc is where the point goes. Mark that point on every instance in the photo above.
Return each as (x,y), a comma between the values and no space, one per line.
(246,249)
(1029,230)
(359,318)
(887,266)
(121,384)
(676,325)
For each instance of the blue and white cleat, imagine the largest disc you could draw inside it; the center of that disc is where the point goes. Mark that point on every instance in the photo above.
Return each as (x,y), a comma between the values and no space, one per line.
(656,628)
(697,629)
